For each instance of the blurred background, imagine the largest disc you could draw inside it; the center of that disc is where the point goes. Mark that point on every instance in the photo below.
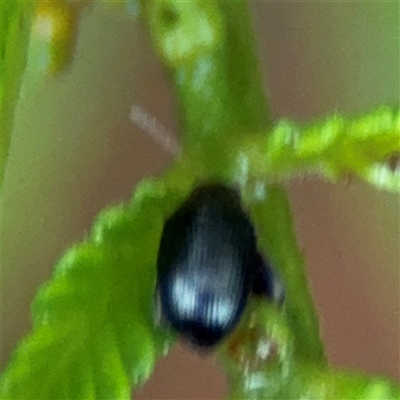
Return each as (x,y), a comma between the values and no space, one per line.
(74,151)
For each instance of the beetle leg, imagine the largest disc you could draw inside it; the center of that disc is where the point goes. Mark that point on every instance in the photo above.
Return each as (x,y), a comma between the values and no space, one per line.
(267,282)
(155,130)
(158,316)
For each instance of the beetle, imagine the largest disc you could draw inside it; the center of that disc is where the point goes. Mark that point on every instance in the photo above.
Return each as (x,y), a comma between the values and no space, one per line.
(207,266)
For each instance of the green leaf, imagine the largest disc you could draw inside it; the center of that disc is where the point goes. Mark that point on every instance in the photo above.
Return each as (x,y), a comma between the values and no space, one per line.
(94,334)
(334,148)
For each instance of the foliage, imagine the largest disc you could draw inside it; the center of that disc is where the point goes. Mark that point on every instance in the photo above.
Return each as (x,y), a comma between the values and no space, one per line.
(94,334)
(335,148)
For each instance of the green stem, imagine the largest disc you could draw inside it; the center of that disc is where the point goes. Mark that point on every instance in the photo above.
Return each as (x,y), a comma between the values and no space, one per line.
(215,72)
(16,17)
(210,50)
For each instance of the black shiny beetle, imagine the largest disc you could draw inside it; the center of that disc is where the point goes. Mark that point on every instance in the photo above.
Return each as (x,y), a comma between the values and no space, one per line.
(208,264)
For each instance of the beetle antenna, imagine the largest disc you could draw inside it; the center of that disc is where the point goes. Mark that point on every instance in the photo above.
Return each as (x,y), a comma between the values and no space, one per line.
(156,130)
